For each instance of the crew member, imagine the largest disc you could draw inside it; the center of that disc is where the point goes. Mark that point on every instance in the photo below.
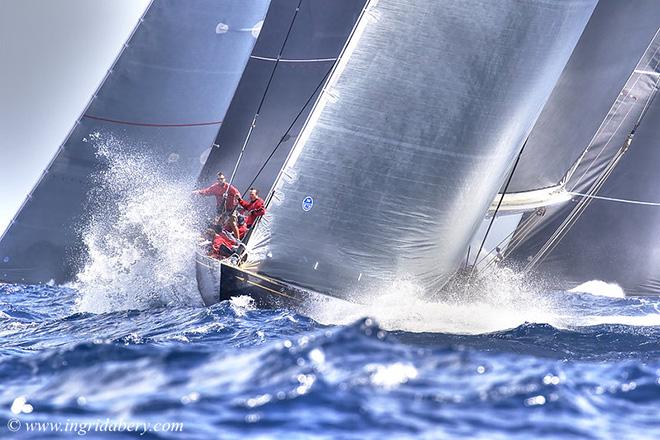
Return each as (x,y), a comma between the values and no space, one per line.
(228,238)
(226,195)
(254,208)
(242,227)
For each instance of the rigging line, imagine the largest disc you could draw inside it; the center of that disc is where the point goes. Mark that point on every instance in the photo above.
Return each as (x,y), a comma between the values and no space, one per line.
(496,246)
(263,97)
(286,133)
(524,227)
(521,233)
(366,6)
(570,220)
(492,220)
(614,199)
(582,205)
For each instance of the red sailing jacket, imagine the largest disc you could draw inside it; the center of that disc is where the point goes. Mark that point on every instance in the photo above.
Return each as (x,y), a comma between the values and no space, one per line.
(227,240)
(254,210)
(219,240)
(218,191)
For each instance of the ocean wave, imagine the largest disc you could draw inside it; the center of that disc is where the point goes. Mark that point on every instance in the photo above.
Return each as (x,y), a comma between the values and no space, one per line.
(232,371)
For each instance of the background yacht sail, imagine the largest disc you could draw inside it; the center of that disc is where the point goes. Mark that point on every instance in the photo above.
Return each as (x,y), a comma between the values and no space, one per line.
(413,136)
(165,96)
(598,95)
(318,32)
(613,42)
(609,230)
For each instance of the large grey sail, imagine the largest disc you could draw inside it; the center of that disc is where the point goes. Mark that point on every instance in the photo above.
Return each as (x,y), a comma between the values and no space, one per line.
(165,96)
(318,31)
(612,43)
(412,138)
(609,230)
(586,101)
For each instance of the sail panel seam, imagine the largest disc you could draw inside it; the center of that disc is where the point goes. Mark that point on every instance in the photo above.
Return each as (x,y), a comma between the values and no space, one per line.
(291,60)
(149,124)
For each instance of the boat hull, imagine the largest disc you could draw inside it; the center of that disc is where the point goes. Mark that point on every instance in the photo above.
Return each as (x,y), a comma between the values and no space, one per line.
(208,273)
(219,280)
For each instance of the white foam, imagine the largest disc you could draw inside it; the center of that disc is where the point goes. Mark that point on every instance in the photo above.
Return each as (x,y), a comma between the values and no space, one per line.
(242,304)
(600,288)
(504,301)
(140,236)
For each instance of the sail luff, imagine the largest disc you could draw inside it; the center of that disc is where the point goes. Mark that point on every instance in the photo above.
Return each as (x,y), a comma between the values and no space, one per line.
(78,119)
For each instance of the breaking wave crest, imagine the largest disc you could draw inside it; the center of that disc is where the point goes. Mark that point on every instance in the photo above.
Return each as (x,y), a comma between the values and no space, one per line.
(140,236)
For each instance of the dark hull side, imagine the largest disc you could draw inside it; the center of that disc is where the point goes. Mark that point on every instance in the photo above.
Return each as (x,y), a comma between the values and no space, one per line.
(220,281)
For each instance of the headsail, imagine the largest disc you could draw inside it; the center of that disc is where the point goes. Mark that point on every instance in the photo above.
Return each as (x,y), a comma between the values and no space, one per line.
(409,143)
(166,95)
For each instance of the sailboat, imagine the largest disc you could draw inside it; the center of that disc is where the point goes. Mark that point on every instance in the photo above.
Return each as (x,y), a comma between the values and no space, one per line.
(417,119)
(405,149)
(589,151)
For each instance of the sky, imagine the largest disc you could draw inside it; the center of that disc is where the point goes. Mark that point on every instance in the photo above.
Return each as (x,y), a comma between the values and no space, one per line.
(53,56)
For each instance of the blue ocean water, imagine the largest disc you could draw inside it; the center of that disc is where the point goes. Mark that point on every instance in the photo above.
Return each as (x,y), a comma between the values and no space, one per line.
(233,371)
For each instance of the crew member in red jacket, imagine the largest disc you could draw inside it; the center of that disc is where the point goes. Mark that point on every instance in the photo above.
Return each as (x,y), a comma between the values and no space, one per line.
(253,208)
(226,195)
(233,228)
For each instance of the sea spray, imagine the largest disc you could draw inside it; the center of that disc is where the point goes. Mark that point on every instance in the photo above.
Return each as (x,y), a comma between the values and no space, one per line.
(140,236)
(504,300)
